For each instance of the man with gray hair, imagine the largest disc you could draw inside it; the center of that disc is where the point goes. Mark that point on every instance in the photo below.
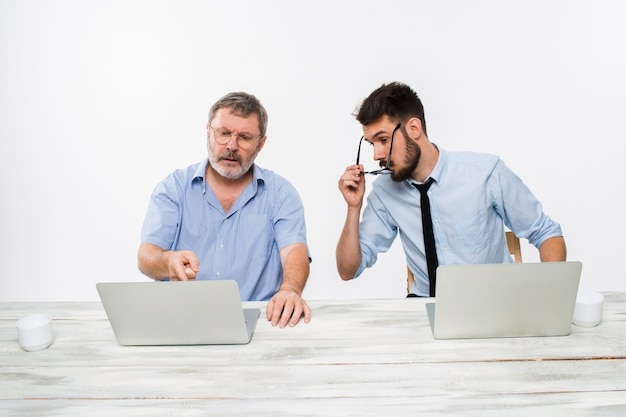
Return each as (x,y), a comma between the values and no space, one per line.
(227,218)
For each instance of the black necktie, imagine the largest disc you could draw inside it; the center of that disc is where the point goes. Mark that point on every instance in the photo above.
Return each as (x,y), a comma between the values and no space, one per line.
(429,236)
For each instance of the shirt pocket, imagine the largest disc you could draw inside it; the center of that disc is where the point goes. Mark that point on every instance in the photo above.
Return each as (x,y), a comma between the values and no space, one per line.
(472,234)
(256,237)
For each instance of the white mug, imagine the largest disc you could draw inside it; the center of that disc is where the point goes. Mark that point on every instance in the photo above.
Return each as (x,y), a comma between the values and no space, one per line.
(588,310)
(34,332)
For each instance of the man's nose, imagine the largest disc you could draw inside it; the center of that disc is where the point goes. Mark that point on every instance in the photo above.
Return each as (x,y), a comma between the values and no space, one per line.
(232,143)
(380,152)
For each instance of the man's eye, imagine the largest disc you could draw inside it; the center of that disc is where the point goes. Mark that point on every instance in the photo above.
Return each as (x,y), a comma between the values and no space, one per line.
(245,138)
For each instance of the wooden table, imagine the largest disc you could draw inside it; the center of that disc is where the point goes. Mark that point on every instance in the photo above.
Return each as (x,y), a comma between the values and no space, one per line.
(355,358)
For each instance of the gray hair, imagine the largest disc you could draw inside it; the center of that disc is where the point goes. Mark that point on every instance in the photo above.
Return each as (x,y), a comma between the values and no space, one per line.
(242,104)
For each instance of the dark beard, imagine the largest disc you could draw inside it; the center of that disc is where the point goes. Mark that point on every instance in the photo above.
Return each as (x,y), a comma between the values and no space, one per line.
(411,159)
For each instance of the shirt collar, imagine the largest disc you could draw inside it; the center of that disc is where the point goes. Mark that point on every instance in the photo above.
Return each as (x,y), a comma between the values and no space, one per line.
(438,170)
(437,173)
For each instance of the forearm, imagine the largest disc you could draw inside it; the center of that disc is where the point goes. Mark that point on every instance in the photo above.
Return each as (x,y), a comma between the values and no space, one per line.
(553,250)
(348,252)
(152,261)
(295,260)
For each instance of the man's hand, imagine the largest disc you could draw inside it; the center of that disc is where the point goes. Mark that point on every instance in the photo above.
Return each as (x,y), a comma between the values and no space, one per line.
(286,308)
(352,185)
(182,265)
(158,263)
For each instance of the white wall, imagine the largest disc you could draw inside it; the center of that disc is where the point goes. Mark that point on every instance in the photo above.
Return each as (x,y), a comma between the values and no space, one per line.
(101,99)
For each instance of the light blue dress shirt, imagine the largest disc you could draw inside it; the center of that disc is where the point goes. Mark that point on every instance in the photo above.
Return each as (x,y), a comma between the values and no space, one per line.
(243,244)
(473,196)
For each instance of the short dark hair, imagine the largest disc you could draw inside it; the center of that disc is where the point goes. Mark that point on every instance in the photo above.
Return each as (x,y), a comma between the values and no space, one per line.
(241,104)
(395,100)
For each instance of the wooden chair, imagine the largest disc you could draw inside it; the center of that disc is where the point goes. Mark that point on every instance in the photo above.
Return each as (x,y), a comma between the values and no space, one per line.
(512,242)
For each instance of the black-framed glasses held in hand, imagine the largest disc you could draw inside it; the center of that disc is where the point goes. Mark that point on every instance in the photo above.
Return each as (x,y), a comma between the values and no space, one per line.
(385,169)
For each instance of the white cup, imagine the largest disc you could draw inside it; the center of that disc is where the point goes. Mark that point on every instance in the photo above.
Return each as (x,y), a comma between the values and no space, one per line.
(34,332)
(588,310)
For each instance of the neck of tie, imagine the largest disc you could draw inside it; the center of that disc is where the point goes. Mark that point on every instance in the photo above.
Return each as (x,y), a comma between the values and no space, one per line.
(429,236)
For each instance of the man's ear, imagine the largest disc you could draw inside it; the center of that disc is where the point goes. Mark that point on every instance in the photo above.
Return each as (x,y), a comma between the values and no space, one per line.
(414,128)
(261,143)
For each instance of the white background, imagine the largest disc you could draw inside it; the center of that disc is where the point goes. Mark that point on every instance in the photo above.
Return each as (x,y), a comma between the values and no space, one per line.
(99,100)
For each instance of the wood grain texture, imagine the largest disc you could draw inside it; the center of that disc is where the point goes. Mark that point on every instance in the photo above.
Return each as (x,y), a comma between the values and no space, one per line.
(355,358)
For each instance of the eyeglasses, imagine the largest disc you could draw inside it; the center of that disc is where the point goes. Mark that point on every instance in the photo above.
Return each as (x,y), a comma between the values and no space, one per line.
(223,136)
(386,169)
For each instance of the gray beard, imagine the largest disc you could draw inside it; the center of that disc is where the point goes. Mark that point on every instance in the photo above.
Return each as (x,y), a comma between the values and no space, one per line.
(230,174)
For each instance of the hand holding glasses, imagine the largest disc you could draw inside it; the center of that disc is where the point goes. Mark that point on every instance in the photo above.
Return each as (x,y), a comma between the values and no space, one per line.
(386,169)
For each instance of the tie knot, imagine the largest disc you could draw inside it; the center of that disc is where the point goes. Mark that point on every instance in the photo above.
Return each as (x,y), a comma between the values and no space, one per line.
(424,187)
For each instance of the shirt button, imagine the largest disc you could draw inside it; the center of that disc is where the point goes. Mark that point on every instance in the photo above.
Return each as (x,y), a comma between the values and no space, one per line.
(217,273)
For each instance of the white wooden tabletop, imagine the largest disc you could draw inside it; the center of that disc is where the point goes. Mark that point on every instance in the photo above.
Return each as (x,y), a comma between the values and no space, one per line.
(355,358)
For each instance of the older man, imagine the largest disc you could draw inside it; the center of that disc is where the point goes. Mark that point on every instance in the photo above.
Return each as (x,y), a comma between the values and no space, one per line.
(227,218)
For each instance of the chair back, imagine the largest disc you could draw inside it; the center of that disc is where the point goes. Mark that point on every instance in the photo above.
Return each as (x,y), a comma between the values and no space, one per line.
(512,242)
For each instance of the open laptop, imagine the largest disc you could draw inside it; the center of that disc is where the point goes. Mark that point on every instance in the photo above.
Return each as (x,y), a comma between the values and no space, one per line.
(177,313)
(504,300)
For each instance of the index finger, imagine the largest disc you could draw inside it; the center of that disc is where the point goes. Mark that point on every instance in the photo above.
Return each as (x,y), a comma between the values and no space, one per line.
(179,273)
(354,169)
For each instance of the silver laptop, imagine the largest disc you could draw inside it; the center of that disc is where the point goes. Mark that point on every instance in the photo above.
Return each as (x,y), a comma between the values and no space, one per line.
(504,300)
(177,313)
